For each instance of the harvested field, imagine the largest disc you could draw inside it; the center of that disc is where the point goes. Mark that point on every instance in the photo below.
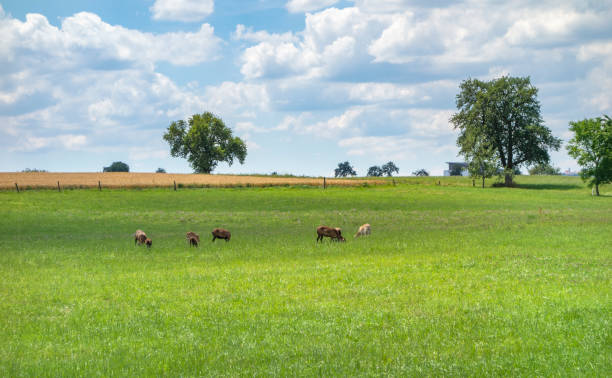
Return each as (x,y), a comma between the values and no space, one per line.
(39,180)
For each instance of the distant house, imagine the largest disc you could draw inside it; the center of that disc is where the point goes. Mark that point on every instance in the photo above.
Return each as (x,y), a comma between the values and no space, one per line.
(456,166)
(569,172)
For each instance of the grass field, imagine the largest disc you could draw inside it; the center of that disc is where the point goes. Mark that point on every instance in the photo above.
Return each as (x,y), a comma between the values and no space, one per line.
(454,280)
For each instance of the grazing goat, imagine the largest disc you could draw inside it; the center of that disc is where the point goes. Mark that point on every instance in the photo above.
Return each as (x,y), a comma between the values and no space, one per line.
(363,230)
(139,237)
(333,233)
(219,233)
(193,235)
(193,241)
(148,242)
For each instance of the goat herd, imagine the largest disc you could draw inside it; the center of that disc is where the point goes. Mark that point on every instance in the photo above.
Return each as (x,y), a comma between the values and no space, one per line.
(334,233)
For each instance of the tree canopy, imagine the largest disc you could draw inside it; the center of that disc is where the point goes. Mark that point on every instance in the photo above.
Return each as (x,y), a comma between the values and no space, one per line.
(344,169)
(117,166)
(544,169)
(375,171)
(503,116)
(390,168)
(421,172)
(591,146)
(204,141)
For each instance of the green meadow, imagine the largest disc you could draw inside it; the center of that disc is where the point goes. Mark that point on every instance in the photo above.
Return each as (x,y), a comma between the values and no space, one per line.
(454,280)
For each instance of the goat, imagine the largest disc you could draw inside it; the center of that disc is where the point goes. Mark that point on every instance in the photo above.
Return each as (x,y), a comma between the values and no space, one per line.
(191,234)
(219,233)
(330,232)
(363,230)
(139,237)
(148,242)
(193,241)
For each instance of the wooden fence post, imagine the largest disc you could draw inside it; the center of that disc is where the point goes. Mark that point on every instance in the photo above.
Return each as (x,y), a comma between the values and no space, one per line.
(393,182)
(473,182)
(58,187)
(324,183)
(175,185)
(17,186)
(99,186)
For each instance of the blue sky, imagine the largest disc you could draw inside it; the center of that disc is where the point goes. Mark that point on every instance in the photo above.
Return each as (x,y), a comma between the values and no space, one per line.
(307,83)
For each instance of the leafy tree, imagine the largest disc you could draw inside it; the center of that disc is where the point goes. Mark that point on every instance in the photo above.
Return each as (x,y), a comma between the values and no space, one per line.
(344,169)
(117,166)
(592,147)
(421,172)
(160,170)
(503,114)
(389,169)
(544,169)
(375,171)
(204,141)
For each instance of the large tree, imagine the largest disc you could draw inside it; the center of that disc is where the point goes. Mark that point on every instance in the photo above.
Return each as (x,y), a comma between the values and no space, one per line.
(117,166)
(375,171)
(344,169)
(204,141)
(503,115)
(592,147)
(389,169)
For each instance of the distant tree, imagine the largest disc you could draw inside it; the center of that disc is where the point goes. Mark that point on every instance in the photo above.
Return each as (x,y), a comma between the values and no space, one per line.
(117,166)
(34,170)
(389,169)
(421,172)
(591,146)
(160,170)
(504,114)
(204,141)
(344,169)
(274,173)
(544,169)
(375,171)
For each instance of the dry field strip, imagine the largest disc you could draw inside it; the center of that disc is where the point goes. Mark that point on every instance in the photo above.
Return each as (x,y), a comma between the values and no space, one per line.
(39,180)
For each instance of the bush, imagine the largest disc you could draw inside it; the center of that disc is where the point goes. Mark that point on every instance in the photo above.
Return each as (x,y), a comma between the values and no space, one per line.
(160,170)
(117,166)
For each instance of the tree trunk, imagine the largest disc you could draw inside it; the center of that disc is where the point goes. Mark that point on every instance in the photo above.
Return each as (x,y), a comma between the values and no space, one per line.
(483,178)
(597,190)
(508,180)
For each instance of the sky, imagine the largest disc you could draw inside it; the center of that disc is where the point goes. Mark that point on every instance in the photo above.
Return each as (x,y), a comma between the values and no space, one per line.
(306,83)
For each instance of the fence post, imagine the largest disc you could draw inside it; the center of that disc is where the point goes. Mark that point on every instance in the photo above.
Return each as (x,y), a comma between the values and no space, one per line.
(473,182)
(324,183)
(58,187)
(175,185)
(17,186)
(438,182)
(393,182)
(99,186)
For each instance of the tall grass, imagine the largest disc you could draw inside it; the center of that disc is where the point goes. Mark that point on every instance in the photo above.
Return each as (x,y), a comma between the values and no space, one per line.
(454,280)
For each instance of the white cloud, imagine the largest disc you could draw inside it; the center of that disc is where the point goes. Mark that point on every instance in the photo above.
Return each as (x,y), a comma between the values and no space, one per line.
(182,10)
(66,141)
(85,40)
(302,6)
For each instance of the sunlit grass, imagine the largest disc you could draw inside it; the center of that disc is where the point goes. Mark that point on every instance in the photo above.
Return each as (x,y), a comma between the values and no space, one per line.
(454,280)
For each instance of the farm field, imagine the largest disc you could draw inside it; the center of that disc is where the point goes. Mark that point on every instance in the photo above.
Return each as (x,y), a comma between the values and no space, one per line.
(40,180)
(454,280)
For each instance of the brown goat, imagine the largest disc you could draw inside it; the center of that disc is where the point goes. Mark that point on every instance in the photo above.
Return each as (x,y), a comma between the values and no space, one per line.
(219,233)
(363,230)
(191,234)
(333,233)
(139,237)
(148,242)
(193,241)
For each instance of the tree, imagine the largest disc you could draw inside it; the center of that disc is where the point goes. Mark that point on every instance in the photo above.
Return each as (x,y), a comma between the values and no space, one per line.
(389,169)
(544,169)
(160,170)
(421,172)
(591,146)
(204,141)
(117,166)
(375,171)
(344,169)
(503,114)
